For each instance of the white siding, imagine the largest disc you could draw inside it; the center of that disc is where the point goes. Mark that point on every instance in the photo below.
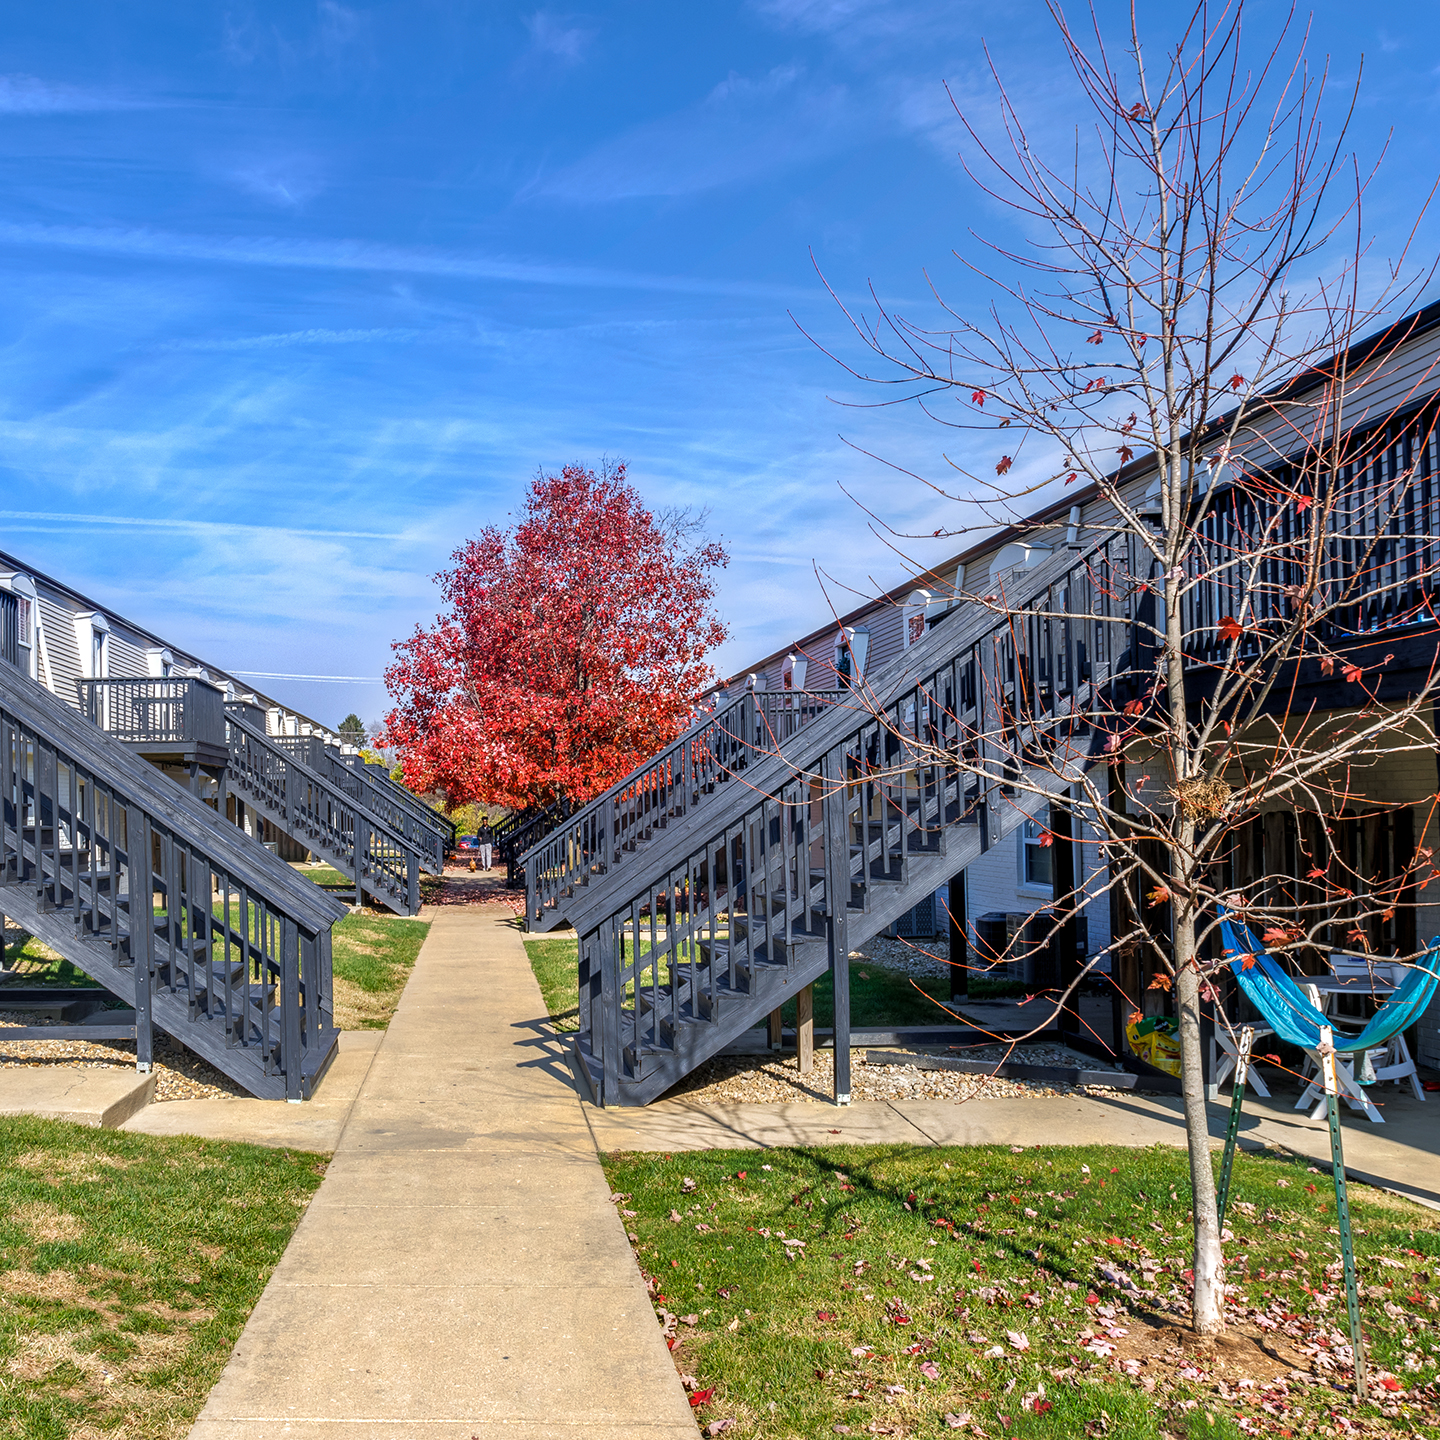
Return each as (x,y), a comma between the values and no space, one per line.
(127,659)
(64,655)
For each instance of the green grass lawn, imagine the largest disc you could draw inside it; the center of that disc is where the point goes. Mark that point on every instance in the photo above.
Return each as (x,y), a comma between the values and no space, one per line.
(555,962)
(882,1289)
(37,964)
(373,956)
(878,995)
(128,1265)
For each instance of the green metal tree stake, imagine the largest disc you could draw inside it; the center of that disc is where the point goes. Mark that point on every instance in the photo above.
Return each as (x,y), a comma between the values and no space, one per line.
(1237,1099)
(1342,1207)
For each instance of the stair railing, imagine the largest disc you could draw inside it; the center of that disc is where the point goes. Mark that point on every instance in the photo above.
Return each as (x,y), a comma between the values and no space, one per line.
(318,813)
(137,882)
(406,814)
(826,826)
(600,836)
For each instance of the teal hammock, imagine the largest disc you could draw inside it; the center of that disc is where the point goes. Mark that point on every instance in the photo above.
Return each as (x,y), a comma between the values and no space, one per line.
(1293,1018)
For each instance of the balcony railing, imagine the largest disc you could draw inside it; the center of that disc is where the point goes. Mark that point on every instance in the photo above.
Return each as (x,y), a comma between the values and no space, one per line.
(176,710)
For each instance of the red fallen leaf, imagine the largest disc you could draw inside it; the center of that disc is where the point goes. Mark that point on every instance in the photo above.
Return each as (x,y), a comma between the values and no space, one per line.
(834,1132)
(1092,1298)
(977,397)
(740,1174)
(1327,665)
(830,1314)
(979,1268)
(913,1349)
(1391,1383)
(1005,463)
(1310,1188)
(1041,1406)
(1230,628)
(671,1342)
(900,1319)
(701,1397)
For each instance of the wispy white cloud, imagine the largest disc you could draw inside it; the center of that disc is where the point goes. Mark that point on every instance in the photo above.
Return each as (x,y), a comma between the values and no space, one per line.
(559,38)
(286,338)
(287,182)
(744,128)
(30,95)
(197,527)
(363,255)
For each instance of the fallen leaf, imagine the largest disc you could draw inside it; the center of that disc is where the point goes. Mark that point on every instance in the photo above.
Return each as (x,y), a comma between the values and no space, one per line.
(701,1397)
(929,1370)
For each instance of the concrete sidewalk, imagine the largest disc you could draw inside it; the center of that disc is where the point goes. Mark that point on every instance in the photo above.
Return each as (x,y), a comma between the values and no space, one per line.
(460,1271)
(1400,1155)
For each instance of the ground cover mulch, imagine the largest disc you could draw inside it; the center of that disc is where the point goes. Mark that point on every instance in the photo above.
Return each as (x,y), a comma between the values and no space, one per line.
(128,1266)
(994,1291)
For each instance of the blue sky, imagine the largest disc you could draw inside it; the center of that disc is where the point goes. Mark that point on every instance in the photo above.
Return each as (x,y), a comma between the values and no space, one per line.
(299,295)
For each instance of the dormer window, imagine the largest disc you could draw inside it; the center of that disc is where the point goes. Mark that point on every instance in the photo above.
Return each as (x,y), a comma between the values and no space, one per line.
(915,615)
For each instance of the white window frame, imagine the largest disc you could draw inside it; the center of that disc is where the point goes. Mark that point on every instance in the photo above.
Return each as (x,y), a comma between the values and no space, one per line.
(1024,841)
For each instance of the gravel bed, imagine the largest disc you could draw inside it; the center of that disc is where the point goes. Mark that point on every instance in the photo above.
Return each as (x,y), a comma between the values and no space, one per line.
(776,1079)
(914,957)
(179,1075)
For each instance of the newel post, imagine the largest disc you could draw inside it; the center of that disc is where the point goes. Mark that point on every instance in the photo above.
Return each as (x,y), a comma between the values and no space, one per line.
(836,819)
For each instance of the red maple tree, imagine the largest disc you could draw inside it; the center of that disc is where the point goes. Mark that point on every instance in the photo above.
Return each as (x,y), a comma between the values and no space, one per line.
(572,648)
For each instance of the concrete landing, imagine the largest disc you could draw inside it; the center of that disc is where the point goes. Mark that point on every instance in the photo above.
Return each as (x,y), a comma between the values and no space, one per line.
(104,1098)
(461,1272)
(314,1125)
(1400,1155)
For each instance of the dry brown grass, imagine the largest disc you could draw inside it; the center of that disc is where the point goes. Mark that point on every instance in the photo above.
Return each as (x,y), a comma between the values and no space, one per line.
(46,1223)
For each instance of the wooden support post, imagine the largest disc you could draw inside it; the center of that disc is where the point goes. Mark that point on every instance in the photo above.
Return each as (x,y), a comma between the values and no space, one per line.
(293,1057)
(606,944)
(142,934)
(1342,1206)
(959,951)
(836,812)
(805,1028)
(776,1040)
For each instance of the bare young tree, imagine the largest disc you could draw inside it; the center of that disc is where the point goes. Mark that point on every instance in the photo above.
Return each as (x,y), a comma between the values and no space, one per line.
(1255,518)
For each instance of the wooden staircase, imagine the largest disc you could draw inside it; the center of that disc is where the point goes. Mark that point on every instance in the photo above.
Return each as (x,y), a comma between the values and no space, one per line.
(383,852)
(136,882)
(732,871)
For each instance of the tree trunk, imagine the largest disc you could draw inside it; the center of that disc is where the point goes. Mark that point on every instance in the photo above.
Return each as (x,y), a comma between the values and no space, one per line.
(1209,1263)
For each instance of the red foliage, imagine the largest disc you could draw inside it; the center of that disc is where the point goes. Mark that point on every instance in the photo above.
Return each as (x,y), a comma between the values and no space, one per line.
(572,648)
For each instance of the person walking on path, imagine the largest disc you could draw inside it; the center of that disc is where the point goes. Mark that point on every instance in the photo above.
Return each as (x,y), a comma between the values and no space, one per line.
(486,840)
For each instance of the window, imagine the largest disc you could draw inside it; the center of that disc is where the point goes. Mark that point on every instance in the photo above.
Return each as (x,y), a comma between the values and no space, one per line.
(97,654)
(1034,856)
